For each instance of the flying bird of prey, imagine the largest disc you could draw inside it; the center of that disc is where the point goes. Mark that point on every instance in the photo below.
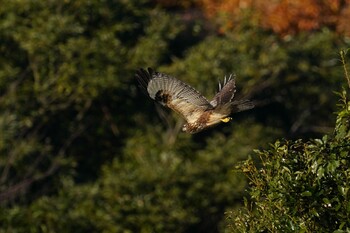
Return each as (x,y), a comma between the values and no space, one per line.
(198,112)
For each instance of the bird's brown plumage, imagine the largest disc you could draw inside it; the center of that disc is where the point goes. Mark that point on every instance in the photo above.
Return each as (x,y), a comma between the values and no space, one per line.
(198,112)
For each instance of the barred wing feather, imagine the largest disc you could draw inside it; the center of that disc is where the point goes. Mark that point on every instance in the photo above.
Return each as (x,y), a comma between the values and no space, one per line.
(173,93)
(226,92)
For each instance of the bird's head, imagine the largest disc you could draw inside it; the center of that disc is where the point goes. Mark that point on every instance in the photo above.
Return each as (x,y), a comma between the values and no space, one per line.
(192,128)
(185,128)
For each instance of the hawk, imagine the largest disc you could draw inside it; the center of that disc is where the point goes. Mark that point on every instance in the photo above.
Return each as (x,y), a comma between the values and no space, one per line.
(198,112)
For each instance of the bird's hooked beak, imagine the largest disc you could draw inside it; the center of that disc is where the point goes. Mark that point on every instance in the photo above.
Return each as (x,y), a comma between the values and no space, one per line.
(226,119)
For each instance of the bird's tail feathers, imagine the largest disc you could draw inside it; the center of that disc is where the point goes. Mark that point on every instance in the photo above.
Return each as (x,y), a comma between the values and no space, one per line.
(241,105)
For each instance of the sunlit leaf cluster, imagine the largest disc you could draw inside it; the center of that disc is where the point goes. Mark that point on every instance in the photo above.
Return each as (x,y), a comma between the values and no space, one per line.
(300,185)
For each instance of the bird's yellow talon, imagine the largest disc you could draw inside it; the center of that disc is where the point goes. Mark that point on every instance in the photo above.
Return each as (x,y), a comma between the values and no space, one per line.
(226,119)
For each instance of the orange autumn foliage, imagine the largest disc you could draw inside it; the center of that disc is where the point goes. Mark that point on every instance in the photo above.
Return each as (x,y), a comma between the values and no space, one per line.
(282,16)
(289,16)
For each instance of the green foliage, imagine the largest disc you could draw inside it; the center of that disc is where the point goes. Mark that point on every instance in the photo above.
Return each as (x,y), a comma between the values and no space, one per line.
(293,75)
(300,186)
(63,70)
(151,188)
(82,149)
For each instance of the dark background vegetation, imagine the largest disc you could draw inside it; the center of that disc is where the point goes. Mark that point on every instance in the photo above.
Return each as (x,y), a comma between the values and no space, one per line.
(83,150)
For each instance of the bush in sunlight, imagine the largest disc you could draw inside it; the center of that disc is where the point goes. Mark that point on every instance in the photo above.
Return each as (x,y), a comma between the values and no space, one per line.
(299,186)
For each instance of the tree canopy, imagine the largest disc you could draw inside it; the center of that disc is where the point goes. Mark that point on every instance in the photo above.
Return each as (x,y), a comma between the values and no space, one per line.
(83,149)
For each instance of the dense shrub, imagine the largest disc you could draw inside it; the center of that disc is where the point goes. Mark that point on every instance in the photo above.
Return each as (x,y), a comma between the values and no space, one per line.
(299,186)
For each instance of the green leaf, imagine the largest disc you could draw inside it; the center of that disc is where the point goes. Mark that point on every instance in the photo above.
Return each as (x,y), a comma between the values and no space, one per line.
(306,194)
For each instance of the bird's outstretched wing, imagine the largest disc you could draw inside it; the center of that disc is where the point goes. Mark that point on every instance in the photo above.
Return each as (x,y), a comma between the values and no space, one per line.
(223,100)
(226,92)
(173,93)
